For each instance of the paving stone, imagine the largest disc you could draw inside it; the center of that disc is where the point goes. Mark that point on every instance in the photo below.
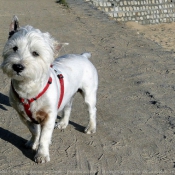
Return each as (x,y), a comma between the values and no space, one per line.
(140,10)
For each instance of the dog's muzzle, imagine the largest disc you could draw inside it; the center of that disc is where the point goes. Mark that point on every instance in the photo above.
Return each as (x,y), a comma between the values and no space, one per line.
(18,68)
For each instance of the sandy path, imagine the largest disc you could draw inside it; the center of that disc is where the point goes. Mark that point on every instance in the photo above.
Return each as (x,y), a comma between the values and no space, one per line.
(162,34)
(136,124)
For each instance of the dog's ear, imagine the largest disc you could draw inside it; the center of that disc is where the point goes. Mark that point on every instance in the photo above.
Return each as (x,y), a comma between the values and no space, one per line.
(58,47)
(14,26)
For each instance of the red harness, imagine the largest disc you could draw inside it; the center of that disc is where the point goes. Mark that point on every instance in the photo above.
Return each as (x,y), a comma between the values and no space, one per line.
(26,103)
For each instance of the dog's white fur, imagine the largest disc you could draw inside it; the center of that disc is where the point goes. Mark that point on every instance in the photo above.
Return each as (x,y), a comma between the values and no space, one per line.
(78,72)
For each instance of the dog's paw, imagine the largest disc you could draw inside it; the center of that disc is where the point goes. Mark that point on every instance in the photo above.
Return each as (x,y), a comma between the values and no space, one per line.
(90,130)
(61,125)
(40,158)
(30,145)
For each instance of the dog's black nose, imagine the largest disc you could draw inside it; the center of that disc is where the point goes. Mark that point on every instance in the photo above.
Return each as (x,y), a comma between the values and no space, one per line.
(18,67)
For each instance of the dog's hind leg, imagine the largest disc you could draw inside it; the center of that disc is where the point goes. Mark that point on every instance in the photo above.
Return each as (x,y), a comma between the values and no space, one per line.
(62,124)
(90,100)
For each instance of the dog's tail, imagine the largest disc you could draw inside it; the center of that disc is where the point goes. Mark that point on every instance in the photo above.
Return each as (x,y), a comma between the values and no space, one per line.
(87,55)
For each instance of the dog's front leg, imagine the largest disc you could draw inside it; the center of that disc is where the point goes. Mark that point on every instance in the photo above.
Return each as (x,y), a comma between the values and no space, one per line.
(34,141)
(35,131)
(47,126)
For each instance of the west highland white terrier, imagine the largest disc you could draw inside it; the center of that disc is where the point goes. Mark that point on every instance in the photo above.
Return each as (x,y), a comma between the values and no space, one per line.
(42,86)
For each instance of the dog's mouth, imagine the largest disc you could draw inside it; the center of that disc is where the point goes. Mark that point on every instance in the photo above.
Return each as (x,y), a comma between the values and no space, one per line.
(16,74)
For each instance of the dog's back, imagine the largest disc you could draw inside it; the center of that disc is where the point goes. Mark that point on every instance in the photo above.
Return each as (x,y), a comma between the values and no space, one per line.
(79,67)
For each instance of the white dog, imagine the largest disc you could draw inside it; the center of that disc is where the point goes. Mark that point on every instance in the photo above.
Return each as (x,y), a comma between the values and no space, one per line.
(41,87)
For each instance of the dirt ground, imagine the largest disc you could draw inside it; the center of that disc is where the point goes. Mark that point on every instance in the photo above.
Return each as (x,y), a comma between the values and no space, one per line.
(162,34)
(136,96)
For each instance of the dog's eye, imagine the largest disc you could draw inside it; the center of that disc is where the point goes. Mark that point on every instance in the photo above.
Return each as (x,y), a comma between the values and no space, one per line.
(35,54)
(15,49)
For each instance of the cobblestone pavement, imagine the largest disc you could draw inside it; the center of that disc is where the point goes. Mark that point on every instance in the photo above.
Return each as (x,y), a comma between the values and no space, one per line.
(142,11)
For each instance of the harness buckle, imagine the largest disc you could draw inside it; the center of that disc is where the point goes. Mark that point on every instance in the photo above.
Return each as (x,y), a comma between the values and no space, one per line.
(60,76)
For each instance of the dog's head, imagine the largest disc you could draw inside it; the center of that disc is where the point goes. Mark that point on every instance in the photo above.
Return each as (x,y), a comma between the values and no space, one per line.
(28,53)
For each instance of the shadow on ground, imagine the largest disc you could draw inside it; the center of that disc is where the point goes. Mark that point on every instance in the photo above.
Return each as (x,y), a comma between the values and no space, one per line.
(17,141)
(4,100)
(77,127)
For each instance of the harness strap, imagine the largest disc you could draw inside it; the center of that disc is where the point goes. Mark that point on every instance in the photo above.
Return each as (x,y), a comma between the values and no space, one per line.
(61,80)
(41,93)
(26,103)
(28,112)
(60,77)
